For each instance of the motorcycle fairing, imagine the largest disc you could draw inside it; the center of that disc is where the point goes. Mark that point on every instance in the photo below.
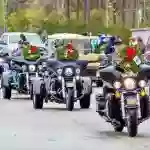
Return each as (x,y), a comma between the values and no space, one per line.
(20,60)
(144,71)
(55,64)
(110,74)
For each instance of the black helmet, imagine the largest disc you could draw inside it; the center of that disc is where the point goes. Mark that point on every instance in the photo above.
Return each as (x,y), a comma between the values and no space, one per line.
(23,38)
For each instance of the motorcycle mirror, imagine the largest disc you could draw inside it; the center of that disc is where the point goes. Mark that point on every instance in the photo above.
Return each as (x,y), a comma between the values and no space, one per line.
(109,57)
(52,55)
(3,42)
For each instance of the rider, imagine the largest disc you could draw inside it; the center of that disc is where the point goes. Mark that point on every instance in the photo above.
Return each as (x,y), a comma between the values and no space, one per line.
(99,45)
(127,55)
(26,50)
(19,46)
(110,46)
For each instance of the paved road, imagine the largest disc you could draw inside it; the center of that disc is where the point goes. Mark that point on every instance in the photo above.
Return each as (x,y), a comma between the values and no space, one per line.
(54,128)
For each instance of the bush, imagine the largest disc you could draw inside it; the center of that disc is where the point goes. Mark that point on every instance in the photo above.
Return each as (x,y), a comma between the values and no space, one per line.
(28,19)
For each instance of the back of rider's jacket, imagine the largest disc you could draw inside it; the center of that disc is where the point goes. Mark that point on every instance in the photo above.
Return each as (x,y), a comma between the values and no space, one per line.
(110,47)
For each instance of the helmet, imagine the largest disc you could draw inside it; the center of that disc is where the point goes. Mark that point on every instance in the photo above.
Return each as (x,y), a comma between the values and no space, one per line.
(23,37)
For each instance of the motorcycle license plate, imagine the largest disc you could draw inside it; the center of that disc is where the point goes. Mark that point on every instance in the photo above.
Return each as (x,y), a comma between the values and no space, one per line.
(69,84)
(131,101)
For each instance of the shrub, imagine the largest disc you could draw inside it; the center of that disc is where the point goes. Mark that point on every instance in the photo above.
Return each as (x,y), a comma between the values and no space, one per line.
(21,20)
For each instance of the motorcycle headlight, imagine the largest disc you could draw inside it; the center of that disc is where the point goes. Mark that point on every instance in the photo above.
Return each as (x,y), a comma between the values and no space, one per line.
(78,71)
(117,85)
(46,73)
(12,63)
(68,72)
(142,83)
(59,71)
(40,67)
(129,84)
(32,67)
(1,60)
(24,67)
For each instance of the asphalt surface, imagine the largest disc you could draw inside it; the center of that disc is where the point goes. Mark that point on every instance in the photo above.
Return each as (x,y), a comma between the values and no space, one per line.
(54,128)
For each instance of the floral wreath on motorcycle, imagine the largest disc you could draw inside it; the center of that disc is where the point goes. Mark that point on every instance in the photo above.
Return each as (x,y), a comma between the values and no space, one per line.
(24,42)
(131,49)
(130,56)
(29,51)
(70,52)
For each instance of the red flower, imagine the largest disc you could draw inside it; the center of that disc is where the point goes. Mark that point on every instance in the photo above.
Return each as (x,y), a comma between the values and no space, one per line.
(33,49)
(130,53)
(69,46)
(69,49)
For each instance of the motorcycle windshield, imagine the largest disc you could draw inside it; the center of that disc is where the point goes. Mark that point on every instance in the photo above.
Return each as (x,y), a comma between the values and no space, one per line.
(21,59)
(60,64)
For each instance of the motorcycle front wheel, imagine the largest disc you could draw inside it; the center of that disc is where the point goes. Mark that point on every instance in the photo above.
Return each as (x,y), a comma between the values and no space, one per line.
(70,99)
(132,122)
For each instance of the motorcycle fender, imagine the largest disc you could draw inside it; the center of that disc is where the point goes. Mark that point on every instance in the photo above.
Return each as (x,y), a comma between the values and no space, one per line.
(87,85)
(5,78)
(37,85)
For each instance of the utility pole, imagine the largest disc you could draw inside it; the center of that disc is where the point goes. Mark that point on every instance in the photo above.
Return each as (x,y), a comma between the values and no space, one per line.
(144,10)
(107,13)
(86,11)
(68,9)
(108,5)
(5,3)
(138,14)
(78,9)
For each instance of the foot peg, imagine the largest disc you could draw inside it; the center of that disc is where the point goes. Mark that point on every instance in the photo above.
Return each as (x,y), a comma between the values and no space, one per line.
(114,122)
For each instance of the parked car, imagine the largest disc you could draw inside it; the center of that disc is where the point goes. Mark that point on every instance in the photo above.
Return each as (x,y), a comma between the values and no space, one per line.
(12,38)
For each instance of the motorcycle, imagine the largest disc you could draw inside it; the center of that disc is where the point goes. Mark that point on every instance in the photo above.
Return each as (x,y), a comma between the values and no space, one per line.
(19,76)
(62,82)
(3,60)
(124,102)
